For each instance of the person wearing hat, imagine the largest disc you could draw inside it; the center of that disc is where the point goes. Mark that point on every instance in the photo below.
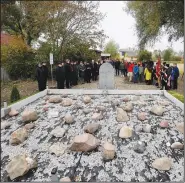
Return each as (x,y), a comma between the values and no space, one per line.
(40,77)
(67,73)
(94,68)
(60,75)
(45,73)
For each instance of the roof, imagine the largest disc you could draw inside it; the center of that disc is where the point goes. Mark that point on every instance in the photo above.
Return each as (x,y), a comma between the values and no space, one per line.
(105,54)
(129,52)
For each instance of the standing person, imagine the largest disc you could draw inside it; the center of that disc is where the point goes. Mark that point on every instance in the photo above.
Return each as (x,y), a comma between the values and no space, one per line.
(136,72)
(158,72)
(97,71)
(85,72)
(60,75)
(168,72)
(141,73)
(148,75)
(45,72)
(122,69)
(117,65)
(72,74)
(67,73)
(125,68)
(130,71)
(82,72)
(76,73)
(164,79)
(94,70)
(174,76)
(88,72)
(40,77)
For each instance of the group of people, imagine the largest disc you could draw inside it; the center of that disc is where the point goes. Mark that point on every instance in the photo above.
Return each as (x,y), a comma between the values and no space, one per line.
(163,76)
(69,73)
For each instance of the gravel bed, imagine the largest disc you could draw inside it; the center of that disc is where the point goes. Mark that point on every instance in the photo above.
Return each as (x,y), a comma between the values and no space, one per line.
(127,165)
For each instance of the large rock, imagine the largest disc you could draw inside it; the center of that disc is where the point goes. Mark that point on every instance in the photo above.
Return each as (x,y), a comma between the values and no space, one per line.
(97,116)
(164,103)
(157,110)
(141,116)
(126,99)
(177,145)
(29,126)
(86,111)
(125,132)
(18,136)
(121,115)
(91,128)
(162,164)
(29,115)
(69,118)
(67,102)
(180,127)
(13,112)
(127,107)
(101,108)
(65,179)
(163,124)
(20,165)
(139,147)
(108,151)
(58,132)
(5,125)
(58,149)
(87,99)
(85,142)
(147,128)
(55,99)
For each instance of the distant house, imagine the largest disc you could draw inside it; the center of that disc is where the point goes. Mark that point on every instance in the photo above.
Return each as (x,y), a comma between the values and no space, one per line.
(128,54)
(105,55)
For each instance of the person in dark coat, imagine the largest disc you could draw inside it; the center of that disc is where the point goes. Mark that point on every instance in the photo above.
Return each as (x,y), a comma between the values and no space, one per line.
(60,76)
(45,73)
(94,69)
(85,72)
(72,74)
(40,77)
(67,73)
(88,72)
(82,72)
(76,73)
(117,65)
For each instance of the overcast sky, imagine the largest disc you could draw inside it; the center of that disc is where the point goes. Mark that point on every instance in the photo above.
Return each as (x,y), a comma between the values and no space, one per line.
(120,26)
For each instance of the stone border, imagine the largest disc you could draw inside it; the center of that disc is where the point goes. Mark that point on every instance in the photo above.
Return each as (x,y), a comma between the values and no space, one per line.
(101,91)
(22,103)
(174,100)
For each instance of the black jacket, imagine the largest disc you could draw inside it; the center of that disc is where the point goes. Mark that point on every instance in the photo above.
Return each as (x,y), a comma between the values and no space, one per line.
(60,74)
(45,72)
(67,70)
(39,74)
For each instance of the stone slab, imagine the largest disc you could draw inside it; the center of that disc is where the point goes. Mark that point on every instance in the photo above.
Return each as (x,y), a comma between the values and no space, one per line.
(106,76)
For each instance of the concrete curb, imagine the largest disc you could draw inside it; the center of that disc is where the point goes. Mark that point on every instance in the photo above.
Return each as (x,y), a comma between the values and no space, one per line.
(99,91)
(174,100)
(22,103)
(19,105)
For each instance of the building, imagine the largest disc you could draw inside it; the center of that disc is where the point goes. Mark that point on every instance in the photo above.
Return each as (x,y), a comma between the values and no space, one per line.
(128,54)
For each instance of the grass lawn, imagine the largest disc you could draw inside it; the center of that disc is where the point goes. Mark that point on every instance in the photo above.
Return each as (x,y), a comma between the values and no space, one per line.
(177,95)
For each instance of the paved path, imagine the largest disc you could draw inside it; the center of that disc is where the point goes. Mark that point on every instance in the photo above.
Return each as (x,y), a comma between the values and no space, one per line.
(120,84)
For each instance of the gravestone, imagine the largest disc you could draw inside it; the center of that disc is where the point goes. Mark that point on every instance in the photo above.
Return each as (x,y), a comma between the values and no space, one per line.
(106,76)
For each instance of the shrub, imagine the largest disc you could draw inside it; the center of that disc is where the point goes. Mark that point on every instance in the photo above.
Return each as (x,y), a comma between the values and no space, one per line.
(15,96)
(18,59)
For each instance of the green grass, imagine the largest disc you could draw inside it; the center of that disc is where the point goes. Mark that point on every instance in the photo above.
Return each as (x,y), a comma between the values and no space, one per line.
(177,95)
(22,99)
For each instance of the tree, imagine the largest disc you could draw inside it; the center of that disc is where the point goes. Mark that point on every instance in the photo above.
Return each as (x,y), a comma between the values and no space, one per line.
(112,48)
(15,96)
(70,20)
(155,17)
(144,55)
(24,18)
(167,54)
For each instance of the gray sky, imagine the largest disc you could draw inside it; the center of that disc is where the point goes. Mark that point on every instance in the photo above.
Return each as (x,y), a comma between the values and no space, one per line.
(120,26)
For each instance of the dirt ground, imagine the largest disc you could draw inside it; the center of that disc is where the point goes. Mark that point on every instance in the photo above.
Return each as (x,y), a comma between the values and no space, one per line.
(29,87)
